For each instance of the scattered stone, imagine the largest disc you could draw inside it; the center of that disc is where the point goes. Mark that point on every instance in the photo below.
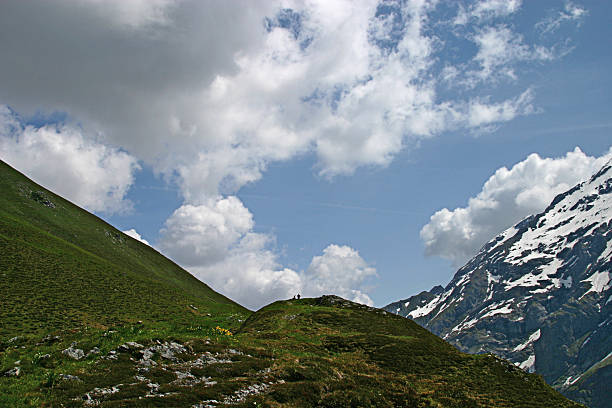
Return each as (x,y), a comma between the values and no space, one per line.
(193,307)
(129,346)
(13,372)
(112,355)
(146,358)
(93,351)
(168,350)
(188,379)
(206,404)
(41,198)
(49,339)
(74,353)
(93,396)
(15,339)
(208,358)
(68,377)
(241,394)
(153,388)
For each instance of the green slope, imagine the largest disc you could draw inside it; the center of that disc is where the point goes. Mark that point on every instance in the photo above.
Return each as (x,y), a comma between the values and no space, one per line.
(336,353)
(71,283)
(63,267)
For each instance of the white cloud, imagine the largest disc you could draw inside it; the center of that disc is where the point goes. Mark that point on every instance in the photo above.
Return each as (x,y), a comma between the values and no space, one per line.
(132,233)
(500,49)
(196,235)
(507,197)
(250,273)
(570,13)
(487,9)
(213,93)
(339,270)
(215,242)
(209,93)
(483,113)
(63,160)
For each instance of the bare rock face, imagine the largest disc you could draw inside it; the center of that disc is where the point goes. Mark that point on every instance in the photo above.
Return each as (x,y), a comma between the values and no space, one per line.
(538,294)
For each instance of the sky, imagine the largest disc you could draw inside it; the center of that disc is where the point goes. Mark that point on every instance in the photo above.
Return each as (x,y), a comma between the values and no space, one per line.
(366,149)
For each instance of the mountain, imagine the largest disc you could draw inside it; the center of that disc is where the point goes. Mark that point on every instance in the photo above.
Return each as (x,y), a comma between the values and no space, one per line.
(91,317)
(62,267)
(538,295)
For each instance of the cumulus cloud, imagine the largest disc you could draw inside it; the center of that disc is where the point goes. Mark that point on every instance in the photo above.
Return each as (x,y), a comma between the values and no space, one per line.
(132,233)
(570,13)
(212,93)
(507,197)
(339,270)
(215,241)
(204,234)
(62,159)
(486,9)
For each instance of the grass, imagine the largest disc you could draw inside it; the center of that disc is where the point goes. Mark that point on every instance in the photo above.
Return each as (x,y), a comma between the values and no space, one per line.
(68,279)
(64,267)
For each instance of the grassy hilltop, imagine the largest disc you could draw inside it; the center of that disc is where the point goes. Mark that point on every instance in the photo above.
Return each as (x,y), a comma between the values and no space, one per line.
(91,317)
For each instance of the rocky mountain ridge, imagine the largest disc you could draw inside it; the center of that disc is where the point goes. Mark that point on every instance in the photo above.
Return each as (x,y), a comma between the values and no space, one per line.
(538,294)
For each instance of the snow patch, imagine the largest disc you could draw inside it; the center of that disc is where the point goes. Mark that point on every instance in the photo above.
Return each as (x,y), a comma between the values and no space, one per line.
(535,336)
(529,364)
(569,380)
(607,253)
(585,209)
(463,325)
(429,307)
(504,236)
(600,281)
(502,310)
(426,309)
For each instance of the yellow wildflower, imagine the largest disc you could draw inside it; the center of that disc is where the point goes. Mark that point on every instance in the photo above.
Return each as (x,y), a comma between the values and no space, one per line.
(223,331)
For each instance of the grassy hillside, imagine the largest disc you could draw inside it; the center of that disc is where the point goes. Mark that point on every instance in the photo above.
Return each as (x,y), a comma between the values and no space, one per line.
(91,317)
(62,267)
(336,353)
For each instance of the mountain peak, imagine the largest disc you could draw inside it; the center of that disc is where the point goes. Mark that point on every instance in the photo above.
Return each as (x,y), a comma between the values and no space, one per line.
(537,294)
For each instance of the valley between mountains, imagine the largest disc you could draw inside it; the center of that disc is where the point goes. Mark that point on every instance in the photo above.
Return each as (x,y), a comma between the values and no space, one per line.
(92,317)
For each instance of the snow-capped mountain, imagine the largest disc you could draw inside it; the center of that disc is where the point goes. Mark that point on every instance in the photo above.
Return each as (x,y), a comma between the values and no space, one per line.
(538,294)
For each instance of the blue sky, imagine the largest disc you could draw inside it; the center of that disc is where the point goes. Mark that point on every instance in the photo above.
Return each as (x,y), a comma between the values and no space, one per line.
(363,149)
